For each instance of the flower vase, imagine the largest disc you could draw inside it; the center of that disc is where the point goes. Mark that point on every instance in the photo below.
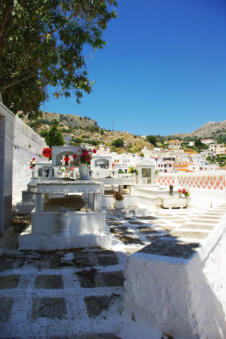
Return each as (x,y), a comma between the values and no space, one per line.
(84,172)
(64,221)
(33,172)
(119,204)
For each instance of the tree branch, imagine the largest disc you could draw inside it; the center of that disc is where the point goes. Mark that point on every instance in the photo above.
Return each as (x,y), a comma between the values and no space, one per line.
(16,82)
(57,29)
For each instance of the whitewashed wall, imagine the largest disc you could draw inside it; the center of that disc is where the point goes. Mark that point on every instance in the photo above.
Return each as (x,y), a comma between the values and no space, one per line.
(183,297)
(27,144)
(6,158)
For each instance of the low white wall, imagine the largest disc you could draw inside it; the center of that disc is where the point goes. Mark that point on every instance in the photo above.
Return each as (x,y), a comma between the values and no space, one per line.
(182,296)
(52,230)
(205,198)
(47,223)
(27,144)
(150,197)
(128,201)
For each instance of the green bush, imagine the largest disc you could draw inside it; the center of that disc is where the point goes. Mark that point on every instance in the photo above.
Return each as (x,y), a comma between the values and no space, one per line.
(118,143)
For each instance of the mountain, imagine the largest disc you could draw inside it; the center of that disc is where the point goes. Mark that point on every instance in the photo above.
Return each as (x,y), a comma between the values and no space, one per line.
(211,129)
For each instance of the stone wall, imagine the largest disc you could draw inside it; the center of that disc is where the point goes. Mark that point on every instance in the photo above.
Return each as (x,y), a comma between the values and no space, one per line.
(6,158)
(27,144)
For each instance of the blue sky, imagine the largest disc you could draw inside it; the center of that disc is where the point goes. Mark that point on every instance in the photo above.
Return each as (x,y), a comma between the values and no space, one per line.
(163,70)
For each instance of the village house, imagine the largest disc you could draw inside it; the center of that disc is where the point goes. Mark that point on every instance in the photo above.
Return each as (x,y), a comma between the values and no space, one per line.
(173,144)
(217,149)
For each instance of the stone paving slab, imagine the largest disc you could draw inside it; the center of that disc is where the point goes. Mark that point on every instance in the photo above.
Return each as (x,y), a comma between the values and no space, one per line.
(95,305)
(198,227)
(85,336)
(49,282)
(92,278)
(6,305)
(203,221)
(189,234)
(9,281)
(48,308)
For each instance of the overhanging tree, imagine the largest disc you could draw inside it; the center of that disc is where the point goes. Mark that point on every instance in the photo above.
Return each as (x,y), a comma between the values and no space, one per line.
(42,42)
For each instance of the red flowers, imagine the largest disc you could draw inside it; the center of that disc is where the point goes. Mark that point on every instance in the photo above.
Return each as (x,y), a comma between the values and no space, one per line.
(94,150)
(183,191)
(66,159)
(47,152)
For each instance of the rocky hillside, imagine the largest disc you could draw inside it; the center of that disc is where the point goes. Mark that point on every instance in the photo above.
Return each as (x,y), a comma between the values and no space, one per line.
(68,120)
(84,129)
(209,130)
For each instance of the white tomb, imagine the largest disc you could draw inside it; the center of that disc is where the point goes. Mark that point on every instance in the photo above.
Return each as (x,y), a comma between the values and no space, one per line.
(68,212)
(146,171)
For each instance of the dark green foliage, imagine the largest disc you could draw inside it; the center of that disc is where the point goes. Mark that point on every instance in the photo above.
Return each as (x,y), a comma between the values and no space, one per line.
(77,141)
(221,160)
(218,159)
(43,133)
(198,143)
(152,139)
(41,43)
(92,142)
(118,143)
(54,136)
(221,139)
(91,128)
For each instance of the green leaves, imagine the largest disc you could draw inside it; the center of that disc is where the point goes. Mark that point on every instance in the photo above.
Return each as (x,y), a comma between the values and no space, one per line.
(41,43)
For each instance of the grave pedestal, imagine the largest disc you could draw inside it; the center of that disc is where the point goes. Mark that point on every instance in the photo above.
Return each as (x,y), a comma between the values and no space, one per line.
(83,228)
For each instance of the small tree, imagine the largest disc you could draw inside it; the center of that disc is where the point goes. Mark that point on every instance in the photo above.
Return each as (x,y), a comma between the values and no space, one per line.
(152,139)
(54,136)
(118,143)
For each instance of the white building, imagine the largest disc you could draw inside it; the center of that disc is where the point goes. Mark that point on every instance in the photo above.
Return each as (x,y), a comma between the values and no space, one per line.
(217,149)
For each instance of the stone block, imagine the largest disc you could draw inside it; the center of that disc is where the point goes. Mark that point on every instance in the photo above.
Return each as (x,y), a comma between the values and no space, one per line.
(6,305)
(92,278)
(96,305)
(49,282)
(9,281)
(48,308)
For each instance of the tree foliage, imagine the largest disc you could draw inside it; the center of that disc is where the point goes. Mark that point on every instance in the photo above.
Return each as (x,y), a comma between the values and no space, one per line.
(54,136)
(118,143)
(42,42)
(152,139)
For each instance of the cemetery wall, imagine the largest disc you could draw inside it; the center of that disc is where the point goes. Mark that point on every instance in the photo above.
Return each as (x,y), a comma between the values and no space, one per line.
(6,157)
(27,144)
(184,297)
(213,181)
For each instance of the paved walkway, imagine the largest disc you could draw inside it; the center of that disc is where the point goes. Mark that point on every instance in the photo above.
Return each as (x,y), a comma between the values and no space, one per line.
(77,293)
(61,294)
